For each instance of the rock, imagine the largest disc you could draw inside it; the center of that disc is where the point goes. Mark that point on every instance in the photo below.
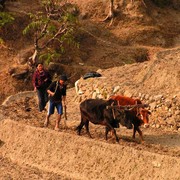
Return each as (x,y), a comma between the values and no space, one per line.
(153,105)
(18,96)
(20,75)
(116,88)
(158,125)
(24,55)
(19,71)
(158,97)
(156,164)
(168,103)
(170,121)
(11,70)
(128,94)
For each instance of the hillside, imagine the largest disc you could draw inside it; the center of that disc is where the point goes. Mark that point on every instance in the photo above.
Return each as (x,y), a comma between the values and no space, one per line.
(138,54)
(135,35)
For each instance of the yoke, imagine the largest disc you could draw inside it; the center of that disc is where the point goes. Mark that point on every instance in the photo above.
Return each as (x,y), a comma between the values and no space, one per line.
(128,107)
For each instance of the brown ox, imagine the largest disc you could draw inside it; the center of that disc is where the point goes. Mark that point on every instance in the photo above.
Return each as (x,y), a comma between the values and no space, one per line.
(98,111)
(138,116)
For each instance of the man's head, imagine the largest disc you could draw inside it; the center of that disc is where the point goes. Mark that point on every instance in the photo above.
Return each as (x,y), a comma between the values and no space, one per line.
(62,79)
(40,66)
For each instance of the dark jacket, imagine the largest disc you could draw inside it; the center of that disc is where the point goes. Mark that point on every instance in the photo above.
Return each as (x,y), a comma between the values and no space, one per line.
(60,90)
(41,80)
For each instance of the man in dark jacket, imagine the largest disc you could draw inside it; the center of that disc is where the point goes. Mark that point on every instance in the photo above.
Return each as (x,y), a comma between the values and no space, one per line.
(57,93)
(41,80)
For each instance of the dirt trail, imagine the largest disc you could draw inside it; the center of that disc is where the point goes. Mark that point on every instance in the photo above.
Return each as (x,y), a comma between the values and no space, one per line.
(35,152)
(29,151)
(75,157)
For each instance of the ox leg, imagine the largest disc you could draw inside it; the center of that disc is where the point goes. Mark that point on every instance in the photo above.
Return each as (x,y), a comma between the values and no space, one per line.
(139,131)
(113,131)
(140,134)
(117,139)
(87,128)
(134,132)
(80,127)
(106,132)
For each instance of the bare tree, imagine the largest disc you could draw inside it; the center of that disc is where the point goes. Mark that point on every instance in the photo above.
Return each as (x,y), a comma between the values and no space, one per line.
(111,11)
(111,15)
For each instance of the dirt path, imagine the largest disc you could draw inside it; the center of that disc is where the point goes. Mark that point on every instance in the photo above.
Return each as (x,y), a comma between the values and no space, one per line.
(40,152)
(12,170)
(34,152)
(29,151)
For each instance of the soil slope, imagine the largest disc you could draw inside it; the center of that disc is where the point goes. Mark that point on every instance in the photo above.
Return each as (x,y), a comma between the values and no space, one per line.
(38,152)
(137,34)
(74,157)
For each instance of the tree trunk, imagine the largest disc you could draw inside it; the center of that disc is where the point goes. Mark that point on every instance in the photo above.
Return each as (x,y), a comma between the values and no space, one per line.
(111,10)
(110,16)
(32,59)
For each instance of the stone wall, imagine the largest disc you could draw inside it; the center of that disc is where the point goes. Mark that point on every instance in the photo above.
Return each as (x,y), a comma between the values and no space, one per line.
(165,108)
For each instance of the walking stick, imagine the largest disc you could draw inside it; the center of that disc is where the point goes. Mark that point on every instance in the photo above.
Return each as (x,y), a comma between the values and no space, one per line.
(65,116)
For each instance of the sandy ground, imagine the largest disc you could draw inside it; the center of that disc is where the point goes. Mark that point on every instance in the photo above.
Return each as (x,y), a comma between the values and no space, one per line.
(38,152)
(29,151)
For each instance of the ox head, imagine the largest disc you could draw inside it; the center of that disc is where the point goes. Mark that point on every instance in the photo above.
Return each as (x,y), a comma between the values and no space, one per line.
(121,116)
(143,115)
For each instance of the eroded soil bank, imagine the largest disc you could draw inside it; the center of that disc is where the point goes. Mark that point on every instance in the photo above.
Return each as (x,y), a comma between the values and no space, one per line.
(78,157)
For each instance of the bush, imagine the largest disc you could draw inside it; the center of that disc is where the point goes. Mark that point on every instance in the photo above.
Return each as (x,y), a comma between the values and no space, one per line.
(5,18)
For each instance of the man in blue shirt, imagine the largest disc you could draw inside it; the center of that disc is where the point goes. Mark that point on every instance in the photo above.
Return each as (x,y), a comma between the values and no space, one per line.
(57,94)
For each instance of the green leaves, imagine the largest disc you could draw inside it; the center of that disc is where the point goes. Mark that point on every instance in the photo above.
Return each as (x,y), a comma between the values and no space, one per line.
(52,29)
(68,17)
(49,56)
(1,41)
(5,18)
(37,23)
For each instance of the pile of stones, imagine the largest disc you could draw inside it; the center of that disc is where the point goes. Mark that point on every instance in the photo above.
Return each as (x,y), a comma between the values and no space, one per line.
(165,108)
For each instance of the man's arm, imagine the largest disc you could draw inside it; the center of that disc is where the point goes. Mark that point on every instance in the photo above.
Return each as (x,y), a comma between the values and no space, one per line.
(50,92)
(50,89)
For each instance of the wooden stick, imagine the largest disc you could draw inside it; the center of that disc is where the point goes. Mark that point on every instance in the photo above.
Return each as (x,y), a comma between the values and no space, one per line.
(128,106)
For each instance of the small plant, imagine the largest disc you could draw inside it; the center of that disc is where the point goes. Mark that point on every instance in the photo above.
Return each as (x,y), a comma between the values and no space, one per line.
(5,18)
